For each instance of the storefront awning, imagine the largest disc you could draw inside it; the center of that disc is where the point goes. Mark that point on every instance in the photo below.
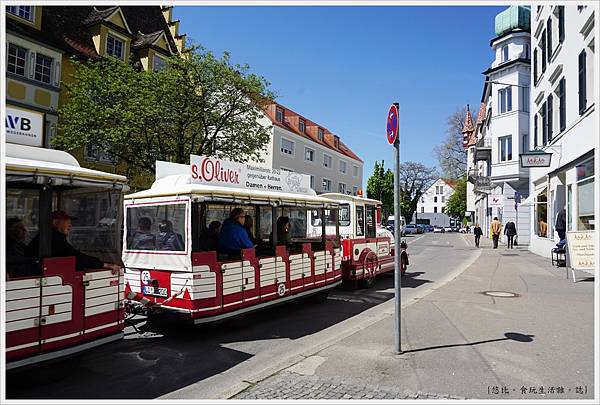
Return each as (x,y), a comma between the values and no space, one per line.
(531,199)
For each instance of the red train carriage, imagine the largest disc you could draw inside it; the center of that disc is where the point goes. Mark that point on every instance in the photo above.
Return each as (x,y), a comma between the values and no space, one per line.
(192,277)
(53,310)
(367,248)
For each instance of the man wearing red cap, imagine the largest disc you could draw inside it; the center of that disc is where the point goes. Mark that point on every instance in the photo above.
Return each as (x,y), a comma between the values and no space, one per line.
(61,227)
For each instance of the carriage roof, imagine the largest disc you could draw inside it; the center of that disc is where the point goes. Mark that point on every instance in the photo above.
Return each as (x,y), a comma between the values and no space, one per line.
(346,197)
(25,162)
(181,185)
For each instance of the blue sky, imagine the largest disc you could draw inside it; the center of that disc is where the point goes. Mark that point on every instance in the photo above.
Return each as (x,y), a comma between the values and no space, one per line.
(342,66)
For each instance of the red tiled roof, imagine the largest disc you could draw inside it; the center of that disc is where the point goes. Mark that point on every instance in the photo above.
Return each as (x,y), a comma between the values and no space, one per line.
(481,114)
(468,131)
(451,182)
(291,123)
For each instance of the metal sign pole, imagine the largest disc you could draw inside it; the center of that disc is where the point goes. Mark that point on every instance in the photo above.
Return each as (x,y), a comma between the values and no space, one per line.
(397,236)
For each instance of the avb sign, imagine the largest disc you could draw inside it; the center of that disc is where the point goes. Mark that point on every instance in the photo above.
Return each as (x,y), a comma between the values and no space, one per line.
(225,173)
(24,127)
(392,124)
(535,159)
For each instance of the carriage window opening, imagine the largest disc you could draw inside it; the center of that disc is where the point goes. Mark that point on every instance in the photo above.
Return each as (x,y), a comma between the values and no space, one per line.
(370,221)
(330,218)
(298,221)
(22,213)
(360,221)
(344,215)
(157,227)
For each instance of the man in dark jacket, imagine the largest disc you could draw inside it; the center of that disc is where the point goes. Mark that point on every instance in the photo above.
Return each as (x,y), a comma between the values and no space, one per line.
(61,227)
(233,237)
(510,230)
(561,224)
(477,232)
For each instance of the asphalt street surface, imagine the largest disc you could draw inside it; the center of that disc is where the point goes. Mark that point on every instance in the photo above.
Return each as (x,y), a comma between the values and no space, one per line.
(158,358)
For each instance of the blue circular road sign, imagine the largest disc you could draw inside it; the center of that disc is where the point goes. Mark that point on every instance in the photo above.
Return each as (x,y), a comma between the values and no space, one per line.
(392,124)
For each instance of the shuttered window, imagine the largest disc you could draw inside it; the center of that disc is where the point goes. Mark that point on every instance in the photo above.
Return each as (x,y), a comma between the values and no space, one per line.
(549,38)
(562,104)
(561,23)
(549,103)
(582,83)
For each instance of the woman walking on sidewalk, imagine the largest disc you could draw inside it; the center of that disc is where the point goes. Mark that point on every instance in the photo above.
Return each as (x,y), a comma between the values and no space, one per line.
(477,232)
(510,230)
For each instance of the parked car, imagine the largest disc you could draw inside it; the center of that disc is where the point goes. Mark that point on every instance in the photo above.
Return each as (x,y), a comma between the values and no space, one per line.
(462,230)
(448,229)
(389,225)
(454,228)
(411,229)
(438,229)
(420,228)
(428,228)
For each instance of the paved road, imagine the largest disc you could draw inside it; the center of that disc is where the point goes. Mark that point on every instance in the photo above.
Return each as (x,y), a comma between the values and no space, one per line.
(178,361)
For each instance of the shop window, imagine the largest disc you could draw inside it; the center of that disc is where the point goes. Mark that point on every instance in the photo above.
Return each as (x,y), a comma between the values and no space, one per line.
(585,196)
(541,214)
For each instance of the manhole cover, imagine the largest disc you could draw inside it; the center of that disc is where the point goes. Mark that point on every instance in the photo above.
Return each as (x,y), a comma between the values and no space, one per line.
(501,294)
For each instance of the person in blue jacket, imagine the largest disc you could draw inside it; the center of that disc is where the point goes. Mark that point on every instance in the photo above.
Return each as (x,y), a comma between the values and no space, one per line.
(233,237)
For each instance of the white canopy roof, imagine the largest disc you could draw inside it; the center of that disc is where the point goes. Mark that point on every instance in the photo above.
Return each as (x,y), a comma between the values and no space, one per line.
(29,160)
(347,197)
(180,184)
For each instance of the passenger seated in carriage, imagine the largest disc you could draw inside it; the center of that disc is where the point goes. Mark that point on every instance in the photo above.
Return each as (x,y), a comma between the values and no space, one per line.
(17,263)
(209,238)
(284,237)
(143,237)
(167,239)
(233,237)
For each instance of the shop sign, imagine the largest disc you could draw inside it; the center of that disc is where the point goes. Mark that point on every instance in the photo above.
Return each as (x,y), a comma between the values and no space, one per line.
(582,248)
(225,173)
(535,159)
(495,201)
(24,127)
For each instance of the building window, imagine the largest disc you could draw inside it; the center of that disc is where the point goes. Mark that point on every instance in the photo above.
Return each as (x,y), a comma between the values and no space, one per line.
(302,125)
(355,171)
(320,134)
(422,210)
(25,12)
(342,166)
(549,38)
(544,125)
(504,53)
(309,155)
(549,105)
(443,198)
(585,196)
(443,210)
(582,82)
(422,199)
(43,68)
(312,181)
(114,47)
(524,99)
(561,23)
(342,188)
(336,141)
(435,199)
(525,143)
(16,59)
(435,209)
(326,185)
(505,143)
(562,104)
(326,161)
(535,66)
(279,114)
(535,131)
(158,63)
(505,99)
(541,214)
(543,47)
(526,51)
(355,190)
(287,146)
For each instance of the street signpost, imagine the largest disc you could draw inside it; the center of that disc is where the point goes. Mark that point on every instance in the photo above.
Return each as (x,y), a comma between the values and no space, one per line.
(392,135)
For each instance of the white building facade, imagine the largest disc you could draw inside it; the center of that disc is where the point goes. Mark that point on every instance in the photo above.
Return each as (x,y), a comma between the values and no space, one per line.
(564,121)
(301,145)
(431,207)
(501,132)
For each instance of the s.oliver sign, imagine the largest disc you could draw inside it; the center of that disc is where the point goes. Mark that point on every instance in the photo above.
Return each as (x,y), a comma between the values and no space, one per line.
(24,127)
(225,173)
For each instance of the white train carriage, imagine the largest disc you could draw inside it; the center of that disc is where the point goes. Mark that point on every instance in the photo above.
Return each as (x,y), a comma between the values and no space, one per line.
(203,284)
(53,310)
(367,248)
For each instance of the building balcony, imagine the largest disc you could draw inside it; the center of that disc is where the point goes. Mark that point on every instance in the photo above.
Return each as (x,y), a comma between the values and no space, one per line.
(481,184)
(483,149)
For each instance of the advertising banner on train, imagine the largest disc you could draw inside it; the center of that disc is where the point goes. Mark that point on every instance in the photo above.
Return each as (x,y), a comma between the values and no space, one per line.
(225,173)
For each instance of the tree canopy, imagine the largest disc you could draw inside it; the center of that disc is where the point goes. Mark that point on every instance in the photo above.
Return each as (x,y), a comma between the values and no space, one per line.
(380,186)
(451,154)
(199,104)
(457,203)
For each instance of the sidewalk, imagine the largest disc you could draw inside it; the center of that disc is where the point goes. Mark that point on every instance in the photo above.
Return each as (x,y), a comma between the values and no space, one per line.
(460,343)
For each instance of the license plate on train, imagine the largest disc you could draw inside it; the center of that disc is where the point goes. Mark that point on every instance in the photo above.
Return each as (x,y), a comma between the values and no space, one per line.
(159,292)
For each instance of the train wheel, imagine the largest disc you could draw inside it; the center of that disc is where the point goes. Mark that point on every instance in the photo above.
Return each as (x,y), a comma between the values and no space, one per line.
(370,265)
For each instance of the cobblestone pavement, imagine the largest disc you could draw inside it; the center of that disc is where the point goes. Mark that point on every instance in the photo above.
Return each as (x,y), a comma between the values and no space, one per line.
(287,385)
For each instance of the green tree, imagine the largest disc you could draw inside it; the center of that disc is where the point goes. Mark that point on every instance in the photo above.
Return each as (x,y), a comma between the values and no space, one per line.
(199,104)
(457,203)
(380,186)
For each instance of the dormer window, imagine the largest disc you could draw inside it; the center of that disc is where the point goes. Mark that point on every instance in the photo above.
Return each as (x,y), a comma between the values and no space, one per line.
(24,12)
(336,141)
(504,53)
(279,114)
(320,134)
(158,63)
(115,47)
(302,125)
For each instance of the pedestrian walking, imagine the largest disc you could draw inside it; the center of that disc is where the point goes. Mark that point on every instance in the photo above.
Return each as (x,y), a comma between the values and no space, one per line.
(510,230)
(477,232)
(496,228)
(561,224)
